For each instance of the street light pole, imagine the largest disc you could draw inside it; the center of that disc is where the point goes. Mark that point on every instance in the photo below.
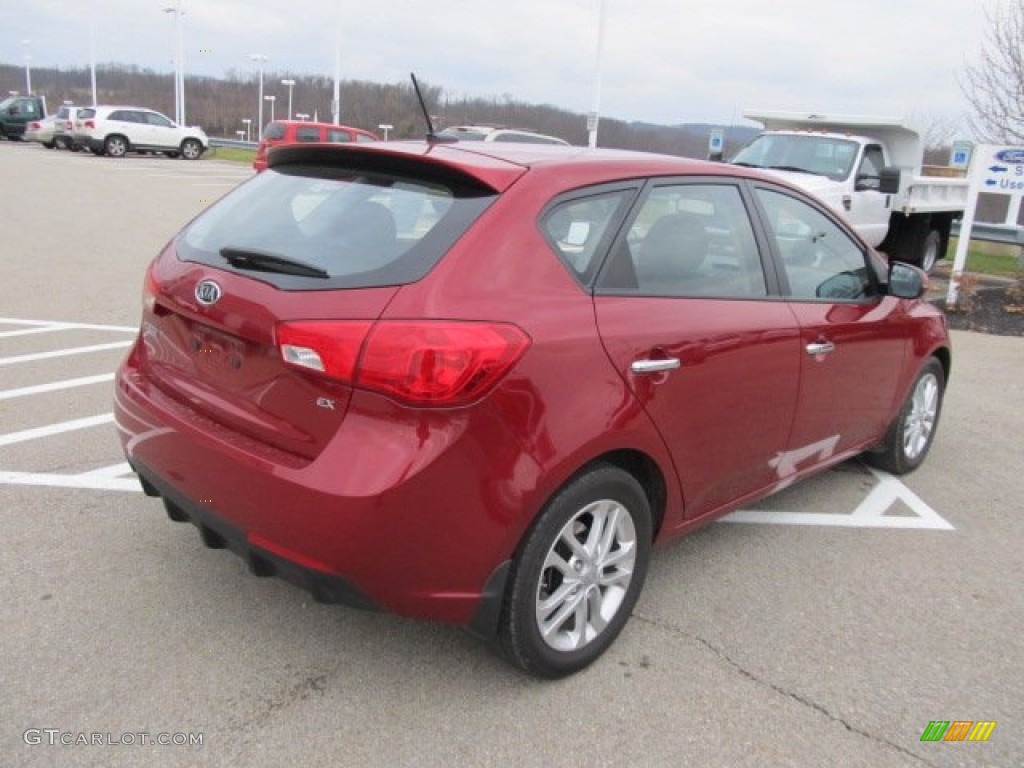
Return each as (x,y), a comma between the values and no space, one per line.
(248,125)
(28,67)
(271,99)
(595,113)
(260,59)
(179,65)
(385,127)
(290,84)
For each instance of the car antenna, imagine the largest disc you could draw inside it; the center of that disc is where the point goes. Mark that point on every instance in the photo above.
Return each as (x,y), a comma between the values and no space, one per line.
(431,136)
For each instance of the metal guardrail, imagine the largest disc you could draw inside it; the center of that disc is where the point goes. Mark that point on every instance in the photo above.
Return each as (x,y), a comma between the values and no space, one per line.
(992,233)
(233,143)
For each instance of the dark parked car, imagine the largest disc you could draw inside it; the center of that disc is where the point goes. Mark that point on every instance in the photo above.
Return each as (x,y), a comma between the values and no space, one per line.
(475,383)
(16,112)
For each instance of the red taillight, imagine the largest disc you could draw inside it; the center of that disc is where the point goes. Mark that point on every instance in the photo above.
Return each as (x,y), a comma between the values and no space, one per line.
(330,348)
(33,126)
(430,362)
(90,124)
(149,290)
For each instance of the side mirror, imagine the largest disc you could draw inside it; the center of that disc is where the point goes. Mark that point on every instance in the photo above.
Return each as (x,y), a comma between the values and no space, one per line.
(889,180)
(906,281)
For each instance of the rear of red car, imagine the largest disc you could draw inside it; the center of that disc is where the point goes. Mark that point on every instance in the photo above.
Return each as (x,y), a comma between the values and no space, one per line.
(333,378)
(286,132)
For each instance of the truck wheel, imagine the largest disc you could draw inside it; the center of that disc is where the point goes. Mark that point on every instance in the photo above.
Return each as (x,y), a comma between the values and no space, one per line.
(929,253)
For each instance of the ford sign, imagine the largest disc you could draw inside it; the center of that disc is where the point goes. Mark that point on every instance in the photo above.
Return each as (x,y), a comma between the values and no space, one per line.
(207,292)
(1012,156)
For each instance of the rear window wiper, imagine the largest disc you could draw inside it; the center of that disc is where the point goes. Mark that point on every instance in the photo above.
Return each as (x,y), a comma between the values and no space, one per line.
(243,258)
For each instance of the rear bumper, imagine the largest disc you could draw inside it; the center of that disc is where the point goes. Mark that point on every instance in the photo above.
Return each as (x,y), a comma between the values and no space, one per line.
(216,533)
(392,516)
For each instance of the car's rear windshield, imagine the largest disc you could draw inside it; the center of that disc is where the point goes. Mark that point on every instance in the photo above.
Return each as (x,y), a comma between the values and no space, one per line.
(355,228)
(274,131)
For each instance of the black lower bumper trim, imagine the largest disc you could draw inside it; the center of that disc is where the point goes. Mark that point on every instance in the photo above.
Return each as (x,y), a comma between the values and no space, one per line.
(218,534)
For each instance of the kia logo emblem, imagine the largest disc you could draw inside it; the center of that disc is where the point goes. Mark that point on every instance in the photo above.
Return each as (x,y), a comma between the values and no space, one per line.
(207,292)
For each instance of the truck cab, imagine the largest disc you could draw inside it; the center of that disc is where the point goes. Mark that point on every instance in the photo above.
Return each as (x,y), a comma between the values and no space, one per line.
(868,170)
(843,170)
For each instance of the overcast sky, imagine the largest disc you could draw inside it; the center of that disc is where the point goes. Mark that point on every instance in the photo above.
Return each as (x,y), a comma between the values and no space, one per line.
(665,61)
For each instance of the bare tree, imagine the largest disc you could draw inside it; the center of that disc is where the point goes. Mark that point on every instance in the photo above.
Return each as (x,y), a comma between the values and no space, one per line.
(995,85)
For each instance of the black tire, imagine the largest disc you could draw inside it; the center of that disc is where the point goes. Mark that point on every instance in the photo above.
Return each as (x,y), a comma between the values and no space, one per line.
(191,149)
(115,146)
(607,514)
(172,155)
(910,436)
(930,250)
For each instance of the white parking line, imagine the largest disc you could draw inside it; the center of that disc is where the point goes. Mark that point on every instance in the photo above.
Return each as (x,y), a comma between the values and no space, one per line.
(84,480)
(55,386)
(55,429)
(64,352)
(61,325)
(870,513)
(30,331)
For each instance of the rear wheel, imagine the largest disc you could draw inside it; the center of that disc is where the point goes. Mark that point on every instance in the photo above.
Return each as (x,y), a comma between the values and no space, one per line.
(191,149)
(115,146)
(578,574)
(910,437)
(930,250)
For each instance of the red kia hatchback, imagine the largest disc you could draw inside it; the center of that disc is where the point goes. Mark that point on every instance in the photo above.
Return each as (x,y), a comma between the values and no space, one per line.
(475,384)
(304,132)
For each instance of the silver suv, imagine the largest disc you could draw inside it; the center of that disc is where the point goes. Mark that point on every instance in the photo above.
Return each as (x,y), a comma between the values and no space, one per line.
(115,131)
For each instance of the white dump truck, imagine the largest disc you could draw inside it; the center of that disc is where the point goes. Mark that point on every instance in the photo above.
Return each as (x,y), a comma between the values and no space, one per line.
(869,169)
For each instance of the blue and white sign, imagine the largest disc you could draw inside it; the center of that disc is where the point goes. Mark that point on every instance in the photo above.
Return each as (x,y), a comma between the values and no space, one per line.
(716,141)
(995,170)
(960,155)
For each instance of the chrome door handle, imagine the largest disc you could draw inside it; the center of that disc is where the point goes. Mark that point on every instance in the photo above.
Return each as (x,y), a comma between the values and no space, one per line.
(655,366)
(820,348)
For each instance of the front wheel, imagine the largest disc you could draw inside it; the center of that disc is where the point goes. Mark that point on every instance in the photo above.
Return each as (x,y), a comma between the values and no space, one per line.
(578,574)
(909,439)
(191,149)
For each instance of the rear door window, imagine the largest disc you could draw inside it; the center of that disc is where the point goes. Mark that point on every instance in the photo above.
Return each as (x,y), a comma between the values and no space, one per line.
(307,133)
(688,240)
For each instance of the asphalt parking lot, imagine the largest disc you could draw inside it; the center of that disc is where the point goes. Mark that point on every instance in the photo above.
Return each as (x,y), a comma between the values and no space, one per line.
(827,627)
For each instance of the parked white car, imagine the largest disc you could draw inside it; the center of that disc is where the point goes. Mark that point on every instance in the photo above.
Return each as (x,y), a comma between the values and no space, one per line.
(115,131)
(497,133)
